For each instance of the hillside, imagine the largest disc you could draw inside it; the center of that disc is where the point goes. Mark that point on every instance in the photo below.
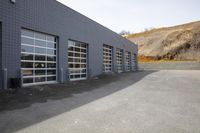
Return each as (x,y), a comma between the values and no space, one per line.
(172,43)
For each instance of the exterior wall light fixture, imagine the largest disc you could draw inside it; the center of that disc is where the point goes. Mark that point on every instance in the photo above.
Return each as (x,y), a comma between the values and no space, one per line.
(13,1)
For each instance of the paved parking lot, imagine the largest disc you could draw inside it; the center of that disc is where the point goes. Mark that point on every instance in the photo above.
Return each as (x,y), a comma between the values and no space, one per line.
(165,101)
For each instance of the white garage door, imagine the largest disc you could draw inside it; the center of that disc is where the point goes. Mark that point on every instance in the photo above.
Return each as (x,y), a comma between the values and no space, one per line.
(134,62)
(77,60)
(128,61)
(38,58)
(107,58)
(119,60)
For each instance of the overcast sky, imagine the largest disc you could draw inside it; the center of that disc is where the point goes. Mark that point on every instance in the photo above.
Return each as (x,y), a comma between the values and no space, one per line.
(136,15)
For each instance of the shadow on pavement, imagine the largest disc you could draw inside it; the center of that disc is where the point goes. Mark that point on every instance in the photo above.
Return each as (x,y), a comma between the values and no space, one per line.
(17,103)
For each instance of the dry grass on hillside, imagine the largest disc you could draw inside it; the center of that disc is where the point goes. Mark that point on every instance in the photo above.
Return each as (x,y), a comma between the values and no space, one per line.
(174,43)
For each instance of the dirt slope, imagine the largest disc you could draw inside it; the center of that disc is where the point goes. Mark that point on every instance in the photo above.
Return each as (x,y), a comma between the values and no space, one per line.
(176,43)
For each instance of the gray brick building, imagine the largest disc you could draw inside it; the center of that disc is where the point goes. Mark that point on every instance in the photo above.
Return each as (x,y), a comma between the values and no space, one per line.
(43,41)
